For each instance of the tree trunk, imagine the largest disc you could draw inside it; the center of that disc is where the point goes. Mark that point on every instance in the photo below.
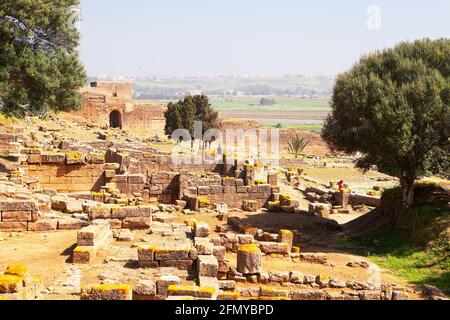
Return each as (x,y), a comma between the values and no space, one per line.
(407,186)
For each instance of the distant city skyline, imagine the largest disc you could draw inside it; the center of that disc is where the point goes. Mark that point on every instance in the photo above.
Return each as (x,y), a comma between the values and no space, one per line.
(176,38)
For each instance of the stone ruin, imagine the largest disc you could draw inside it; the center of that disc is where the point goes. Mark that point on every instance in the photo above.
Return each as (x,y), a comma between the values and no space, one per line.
(106,190)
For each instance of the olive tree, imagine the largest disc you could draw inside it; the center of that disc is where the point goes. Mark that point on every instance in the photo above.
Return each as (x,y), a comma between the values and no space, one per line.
(393,108)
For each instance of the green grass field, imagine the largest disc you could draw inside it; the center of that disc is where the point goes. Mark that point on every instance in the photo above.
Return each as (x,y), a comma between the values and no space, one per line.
(282,104)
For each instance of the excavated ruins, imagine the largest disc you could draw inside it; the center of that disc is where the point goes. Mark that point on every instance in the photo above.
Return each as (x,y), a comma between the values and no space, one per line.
(131,225)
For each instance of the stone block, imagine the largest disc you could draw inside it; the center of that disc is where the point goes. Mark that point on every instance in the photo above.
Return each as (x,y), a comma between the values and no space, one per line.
(164,282)
(107,292)
(172,253)
(201,229)
(270,292)
(274,248)
(196,292)
(145,288)
(286,236)
(18,205)
(219,252)
(250,205)
(71,224)
(102,212)
(137,223)
(13,226)
(207,266)
(249,259)
(136,178)
(321,209)
(83,255)
(179,264)
(43,225)
(16,216)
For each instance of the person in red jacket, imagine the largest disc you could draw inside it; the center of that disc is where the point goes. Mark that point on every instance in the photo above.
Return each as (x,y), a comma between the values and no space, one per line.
(341,185)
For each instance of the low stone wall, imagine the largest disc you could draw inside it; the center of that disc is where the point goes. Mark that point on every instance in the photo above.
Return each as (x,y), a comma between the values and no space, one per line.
(361,199)
(67,172)
(17,215)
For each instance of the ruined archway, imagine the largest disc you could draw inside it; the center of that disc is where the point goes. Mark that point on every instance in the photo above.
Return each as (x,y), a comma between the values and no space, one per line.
(115,119)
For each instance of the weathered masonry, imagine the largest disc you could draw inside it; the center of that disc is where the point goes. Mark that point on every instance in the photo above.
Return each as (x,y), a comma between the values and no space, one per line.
(110,104)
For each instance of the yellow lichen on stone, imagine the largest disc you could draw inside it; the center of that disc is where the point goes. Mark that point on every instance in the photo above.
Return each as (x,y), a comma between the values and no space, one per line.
(286,232)
(273,298)
(296,249)
(122,288)
(180,288)
(74,155)
(17,269)
(203,201)
(10,283)
(249,248)
(228,295)
(80,249)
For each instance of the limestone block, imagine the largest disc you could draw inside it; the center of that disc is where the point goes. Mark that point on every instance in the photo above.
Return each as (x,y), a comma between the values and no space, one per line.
(296,277)
(145,288)
(16,216)
(125,235)
(109,174)
(164,282)
(43,225)
(249,259)
(18,205)
(10,283)
(274,248)
(207,266)
(321,209)
(250,205)
(172,253)
(204,190)
(71,224)
(280,276)
(286,236)
(137,223)
(13,226)
(308,295)
(219,252)
(107,292)
(201,229)
(101,212)
(83,255)
(196,292)
(136,178)
(185,264)
(266,291)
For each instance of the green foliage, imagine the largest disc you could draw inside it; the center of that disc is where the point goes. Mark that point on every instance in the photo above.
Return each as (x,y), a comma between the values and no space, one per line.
(184,113)
(419,252)
(394,107)
(297,144)
(267,102)
(39,65)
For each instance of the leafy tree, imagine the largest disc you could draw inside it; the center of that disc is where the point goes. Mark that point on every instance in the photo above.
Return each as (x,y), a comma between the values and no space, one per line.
(393,107)
(184,113)
(267,102)
(297,144)
(39,65)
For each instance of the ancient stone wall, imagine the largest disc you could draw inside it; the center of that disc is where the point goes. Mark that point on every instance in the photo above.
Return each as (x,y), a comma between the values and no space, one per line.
(113,89)
(67,172)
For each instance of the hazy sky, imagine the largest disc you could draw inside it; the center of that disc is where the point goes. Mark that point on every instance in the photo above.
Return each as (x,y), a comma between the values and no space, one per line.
(210,37)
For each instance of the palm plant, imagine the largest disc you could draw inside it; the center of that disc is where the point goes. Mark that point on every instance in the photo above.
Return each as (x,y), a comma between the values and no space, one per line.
(297,144)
